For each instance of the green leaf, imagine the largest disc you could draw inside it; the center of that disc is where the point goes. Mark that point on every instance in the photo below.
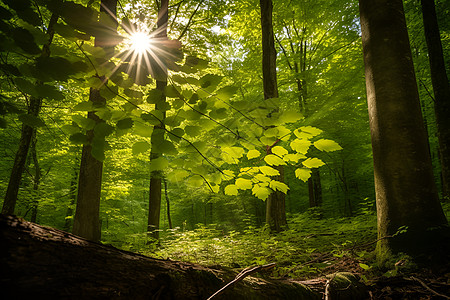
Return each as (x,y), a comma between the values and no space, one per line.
(311,130)
(57,68)
(70,129)
(166,147)
(294,157)
(274,160)
(269,171)
(261,191)
(226,92)
(140,147)
(158,164)
(84,106)
(25,40)
(192,130)
(261,178)
(303,174)
(177,175)
(253,154)
(78,138)
(125,123)
(278,150)
(227,174)
(313,163)
(243,184)
(176,134)
(218,114)
(278,186)
(364,266)
(142,129)
(300,145)
(49,92)
(154,118)
(31,120)
(83,122)
(103,129)
(171,92)
(232,154)
(231,190)
(26,87)
(98,153)
(195,180)
(154,96)
(195,62)
(210,80)
(290,116)
(327,145)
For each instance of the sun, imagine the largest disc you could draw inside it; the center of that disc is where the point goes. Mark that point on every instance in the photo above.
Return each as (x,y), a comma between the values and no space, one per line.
(140,42)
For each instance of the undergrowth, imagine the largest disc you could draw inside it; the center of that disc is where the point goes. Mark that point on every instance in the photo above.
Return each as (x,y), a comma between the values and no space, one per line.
(308,246)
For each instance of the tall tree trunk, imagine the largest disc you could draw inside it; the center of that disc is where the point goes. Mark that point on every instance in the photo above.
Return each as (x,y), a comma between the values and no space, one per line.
(154,202)
(441,89)
(275,204)
(27,132)
(406,193)
(86,222)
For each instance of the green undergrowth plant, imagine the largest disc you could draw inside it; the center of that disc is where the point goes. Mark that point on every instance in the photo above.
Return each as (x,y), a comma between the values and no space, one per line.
(308,246)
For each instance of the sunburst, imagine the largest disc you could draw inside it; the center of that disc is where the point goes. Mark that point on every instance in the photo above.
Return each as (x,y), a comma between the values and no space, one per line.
(145,51)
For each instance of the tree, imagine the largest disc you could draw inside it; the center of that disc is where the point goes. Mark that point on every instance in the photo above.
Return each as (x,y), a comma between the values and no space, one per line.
(441,89)
(87,219)
(408,207)
(154,208)
(275,204)
(27,133)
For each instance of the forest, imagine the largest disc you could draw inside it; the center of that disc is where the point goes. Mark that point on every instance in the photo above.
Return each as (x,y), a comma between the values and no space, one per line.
(280,139)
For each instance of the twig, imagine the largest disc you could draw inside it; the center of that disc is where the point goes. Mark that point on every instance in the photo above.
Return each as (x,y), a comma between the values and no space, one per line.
(244,273)
(428,288)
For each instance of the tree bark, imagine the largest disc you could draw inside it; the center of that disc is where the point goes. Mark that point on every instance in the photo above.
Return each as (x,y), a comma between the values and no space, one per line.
(275,204)
(441,89)
(45,263)
(406,193)
(86,222)
(154,209)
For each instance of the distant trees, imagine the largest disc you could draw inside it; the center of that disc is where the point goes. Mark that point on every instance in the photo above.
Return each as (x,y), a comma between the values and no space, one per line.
(408,207)
(28,132)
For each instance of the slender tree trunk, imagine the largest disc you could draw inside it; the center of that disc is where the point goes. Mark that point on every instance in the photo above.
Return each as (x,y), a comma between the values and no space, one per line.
(166,194)
(441,89)
(36,180)
(154,209)
(405,189)
(275,204)
(73,198)
(87,215)
(34,107)
(315,189)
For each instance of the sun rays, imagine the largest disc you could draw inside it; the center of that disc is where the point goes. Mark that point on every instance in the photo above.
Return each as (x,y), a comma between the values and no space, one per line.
(145,50)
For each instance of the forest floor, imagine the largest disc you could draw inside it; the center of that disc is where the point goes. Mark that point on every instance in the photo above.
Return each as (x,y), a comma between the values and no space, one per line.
(310,250)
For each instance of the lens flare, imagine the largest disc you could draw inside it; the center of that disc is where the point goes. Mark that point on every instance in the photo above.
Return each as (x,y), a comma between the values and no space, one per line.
(140,42)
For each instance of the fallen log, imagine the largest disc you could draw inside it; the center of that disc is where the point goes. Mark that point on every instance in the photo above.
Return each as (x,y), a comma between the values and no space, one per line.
(47,263)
